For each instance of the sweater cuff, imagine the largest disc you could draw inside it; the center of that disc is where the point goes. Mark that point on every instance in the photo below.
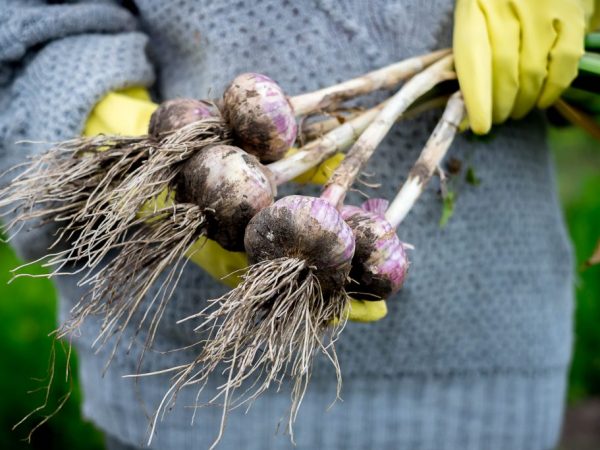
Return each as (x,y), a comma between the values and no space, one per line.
(68,77)
(23,27)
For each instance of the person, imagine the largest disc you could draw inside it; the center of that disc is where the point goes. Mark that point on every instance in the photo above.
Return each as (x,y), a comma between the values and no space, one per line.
(474,350)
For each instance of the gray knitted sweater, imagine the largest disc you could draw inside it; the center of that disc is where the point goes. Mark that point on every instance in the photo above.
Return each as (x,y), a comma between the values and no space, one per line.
(475,349)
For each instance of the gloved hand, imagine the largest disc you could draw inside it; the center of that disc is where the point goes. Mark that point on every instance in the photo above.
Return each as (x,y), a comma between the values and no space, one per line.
(513,55)
(592,15)
(127,112)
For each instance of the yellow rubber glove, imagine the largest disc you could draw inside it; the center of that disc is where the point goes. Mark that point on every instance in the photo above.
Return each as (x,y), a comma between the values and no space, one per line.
(592,15)
(513,55)
(127,112)
(321,173)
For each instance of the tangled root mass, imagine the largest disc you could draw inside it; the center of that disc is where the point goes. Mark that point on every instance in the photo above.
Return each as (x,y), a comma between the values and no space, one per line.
(268,327)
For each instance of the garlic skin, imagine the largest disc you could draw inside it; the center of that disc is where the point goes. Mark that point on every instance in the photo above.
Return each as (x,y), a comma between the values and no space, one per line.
(230,186)
(380,261)
(260,115)
(305,228)
(177,113)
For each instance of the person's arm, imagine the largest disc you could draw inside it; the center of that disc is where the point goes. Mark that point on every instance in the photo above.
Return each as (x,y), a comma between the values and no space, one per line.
(56,63)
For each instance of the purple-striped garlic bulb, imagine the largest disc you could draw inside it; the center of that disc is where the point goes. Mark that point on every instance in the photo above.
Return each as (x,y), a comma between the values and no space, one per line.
(177,113)
(260,115)
(380,262)
(230,186)
(304,228)
(287,304)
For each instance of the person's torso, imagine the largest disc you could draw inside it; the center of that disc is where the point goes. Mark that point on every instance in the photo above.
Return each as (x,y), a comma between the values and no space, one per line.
(490,290)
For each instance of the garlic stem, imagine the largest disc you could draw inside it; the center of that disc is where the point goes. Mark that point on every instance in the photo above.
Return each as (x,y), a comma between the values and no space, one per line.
(383,78)
(364,147)
(317,129)
(430,158)
(319,150)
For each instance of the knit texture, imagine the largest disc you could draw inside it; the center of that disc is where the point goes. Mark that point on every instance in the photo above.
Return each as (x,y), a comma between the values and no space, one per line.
(475,348)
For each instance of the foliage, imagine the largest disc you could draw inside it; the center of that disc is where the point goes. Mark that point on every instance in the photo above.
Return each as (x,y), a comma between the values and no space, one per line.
(577,158)
(27,314)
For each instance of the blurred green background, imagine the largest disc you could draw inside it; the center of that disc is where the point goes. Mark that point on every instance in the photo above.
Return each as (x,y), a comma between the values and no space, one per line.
(27,314)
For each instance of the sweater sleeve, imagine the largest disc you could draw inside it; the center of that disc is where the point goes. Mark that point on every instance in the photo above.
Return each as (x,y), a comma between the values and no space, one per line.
(56,63)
